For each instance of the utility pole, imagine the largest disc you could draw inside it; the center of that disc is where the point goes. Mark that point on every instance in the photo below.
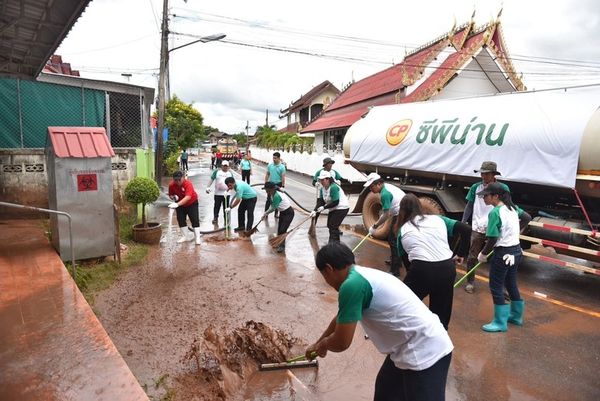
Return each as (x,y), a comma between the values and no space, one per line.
(247,138)
(164,55)
(267,119)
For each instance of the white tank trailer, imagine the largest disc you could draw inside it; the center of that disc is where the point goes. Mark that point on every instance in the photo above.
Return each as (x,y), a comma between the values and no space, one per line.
(546,144)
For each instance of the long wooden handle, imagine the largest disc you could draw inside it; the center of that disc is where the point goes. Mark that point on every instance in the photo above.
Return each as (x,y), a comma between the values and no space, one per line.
(361,242)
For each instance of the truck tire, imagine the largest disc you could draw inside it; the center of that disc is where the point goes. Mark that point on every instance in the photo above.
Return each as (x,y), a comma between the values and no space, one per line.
(431,206)
(371,211)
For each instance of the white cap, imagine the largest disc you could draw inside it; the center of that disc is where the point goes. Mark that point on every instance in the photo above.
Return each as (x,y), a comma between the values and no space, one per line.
(371,178)
(324,174)
(224,163)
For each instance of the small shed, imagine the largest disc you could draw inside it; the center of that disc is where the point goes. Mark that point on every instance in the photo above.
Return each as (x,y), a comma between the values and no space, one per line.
(78,161)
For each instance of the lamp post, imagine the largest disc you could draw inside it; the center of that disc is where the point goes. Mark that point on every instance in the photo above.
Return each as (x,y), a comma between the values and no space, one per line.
(162,77)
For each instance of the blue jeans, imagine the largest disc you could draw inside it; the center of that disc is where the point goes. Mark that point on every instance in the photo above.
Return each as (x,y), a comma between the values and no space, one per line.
(502,275)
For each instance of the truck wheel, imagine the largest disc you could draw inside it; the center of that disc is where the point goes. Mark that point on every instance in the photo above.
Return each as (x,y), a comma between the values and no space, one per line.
(371,211)
(431,206)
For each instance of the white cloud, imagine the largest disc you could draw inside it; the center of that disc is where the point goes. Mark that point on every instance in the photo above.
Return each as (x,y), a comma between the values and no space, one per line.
(230,84)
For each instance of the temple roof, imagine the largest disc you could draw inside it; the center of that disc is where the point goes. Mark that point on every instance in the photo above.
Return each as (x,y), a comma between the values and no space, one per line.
(412,79)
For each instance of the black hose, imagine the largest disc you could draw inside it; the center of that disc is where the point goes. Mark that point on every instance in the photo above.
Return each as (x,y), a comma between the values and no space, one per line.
(299,205)
(218,230)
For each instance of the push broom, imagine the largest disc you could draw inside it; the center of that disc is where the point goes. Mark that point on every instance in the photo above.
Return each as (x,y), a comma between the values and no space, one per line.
(278,240)
(299,361)
(471,271)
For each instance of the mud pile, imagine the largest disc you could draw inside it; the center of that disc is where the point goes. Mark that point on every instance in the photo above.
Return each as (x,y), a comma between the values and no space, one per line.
(219,364)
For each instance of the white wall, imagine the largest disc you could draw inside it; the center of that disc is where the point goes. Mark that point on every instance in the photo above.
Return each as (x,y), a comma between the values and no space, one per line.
(308,164)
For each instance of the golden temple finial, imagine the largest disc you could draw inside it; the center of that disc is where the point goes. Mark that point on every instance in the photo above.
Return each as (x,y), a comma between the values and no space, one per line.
(500,12)
(473,15)
(451,32)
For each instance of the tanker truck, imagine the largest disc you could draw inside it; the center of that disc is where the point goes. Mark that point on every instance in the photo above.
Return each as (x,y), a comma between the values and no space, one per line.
(546,144)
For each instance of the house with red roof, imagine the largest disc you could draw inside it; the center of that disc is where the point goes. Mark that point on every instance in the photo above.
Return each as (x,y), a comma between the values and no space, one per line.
(469,60)
(308,106)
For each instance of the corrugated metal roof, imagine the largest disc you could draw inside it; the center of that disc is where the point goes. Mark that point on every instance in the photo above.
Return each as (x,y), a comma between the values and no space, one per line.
(80,142)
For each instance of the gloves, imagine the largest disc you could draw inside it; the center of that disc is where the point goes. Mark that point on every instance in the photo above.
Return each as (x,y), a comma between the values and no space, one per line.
(320,209)
(208,190)
(481,258)
(173,205)
(313,213)
(372,230)
(227,209)
(509,260)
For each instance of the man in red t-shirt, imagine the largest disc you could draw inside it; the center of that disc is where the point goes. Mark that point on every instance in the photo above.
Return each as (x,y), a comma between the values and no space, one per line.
(219,157)
(185,201)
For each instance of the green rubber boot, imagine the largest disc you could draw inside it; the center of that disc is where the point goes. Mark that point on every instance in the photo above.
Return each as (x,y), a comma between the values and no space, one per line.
(501,313)
(516,312)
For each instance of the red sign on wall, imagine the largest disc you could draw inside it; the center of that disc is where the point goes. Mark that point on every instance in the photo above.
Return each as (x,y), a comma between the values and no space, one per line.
(87,182)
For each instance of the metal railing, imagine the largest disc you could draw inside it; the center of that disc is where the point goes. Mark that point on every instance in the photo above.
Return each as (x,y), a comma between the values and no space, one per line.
(39,209)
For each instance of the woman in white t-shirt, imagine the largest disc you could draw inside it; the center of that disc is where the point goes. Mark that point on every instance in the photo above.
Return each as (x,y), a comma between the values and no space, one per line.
(400,326)
(505,222)
(424,239)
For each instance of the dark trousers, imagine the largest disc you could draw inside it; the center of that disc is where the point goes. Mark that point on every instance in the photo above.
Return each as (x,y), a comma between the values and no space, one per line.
(212,162)
(395,260)
(502,275)
(246,205)
(435,279)
(268,202)
(285,219)
(184,164)
(477,243)
(246,176)
(334,219)
(394,384)
(189,210)
(219,200)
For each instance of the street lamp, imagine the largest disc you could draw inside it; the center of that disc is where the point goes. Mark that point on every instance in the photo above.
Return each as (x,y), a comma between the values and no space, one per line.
(163,76)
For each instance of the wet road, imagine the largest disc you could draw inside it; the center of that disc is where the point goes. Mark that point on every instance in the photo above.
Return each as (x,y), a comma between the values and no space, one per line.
(153,314)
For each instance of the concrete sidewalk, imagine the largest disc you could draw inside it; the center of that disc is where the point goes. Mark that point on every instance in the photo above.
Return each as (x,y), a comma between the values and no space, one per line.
(52,346)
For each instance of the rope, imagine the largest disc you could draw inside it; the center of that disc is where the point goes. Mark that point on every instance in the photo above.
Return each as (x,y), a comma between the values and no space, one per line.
(585,213)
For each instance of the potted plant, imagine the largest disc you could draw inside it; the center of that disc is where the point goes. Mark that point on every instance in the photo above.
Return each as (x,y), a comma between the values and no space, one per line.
(144,190)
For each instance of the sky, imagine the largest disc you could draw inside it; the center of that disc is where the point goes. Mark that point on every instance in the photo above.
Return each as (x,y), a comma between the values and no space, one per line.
(275,51)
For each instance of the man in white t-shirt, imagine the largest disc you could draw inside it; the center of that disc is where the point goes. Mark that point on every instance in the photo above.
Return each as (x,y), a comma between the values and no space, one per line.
(218,176)
(417,346)
(477,212)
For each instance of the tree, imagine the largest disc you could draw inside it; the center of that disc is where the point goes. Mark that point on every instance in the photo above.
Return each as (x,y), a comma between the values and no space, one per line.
(240,138)
(184,123)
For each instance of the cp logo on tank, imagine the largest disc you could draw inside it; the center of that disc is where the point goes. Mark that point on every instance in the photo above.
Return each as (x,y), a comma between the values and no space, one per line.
(397,132)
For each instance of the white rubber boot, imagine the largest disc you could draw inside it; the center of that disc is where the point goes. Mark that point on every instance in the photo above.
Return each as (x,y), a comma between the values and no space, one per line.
(185,237)
(197,235)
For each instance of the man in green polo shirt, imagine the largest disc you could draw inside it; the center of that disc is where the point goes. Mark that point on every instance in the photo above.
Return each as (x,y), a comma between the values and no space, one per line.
(245,196)
(275,174)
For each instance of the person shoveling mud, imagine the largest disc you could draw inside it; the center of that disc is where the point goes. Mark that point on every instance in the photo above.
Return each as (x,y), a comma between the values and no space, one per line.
(418,347)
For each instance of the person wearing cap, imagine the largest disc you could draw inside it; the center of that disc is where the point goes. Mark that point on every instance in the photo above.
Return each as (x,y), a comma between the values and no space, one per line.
(417,349)
(504,225)
(218,176)
(245,196)
(390,196)
(424,239)
(185,203)
(477,212)
(279,201)
(332,198)
(275,174)
(327,166)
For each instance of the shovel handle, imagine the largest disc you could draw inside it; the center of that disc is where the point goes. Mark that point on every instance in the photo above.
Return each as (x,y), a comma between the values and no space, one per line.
(301,357)
(361,242)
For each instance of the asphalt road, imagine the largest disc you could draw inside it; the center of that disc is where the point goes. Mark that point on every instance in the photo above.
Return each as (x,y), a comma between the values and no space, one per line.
(553,356)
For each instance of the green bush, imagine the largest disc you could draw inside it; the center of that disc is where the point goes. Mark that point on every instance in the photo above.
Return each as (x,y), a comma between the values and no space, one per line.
(142,190)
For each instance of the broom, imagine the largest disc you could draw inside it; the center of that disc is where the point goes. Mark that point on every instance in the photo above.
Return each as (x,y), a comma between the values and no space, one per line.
(471,271)
(313,225)
(278,240)
(254,229)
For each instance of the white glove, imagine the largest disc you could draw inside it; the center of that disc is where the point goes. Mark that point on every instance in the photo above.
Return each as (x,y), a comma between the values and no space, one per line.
(313,213)
(481,258)
(509,260)
(208,190)
(173,205)
(227,209)
(320,209)
(372,230)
